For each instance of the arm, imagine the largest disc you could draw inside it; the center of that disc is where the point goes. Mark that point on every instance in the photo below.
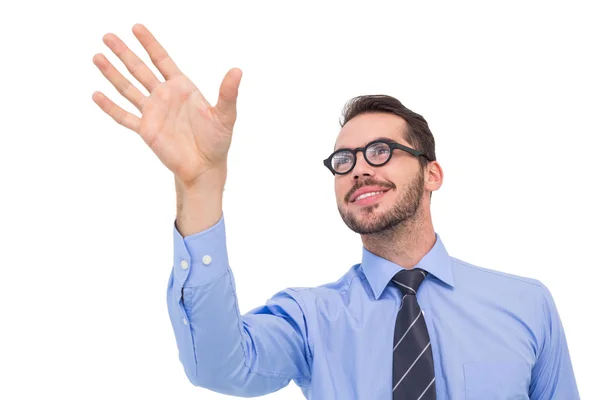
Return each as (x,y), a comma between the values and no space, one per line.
(552,375)
(247,356)
(220,350)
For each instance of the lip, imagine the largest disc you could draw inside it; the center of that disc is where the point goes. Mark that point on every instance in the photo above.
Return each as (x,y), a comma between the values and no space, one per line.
(367,189)
(369,200)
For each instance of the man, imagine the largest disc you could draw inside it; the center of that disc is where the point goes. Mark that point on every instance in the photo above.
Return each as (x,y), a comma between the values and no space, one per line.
(407,322)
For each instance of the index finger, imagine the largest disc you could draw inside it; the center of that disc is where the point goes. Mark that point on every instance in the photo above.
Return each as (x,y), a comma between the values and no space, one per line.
(157,53)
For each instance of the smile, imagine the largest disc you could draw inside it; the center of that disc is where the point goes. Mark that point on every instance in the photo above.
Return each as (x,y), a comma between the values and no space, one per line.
(369,198)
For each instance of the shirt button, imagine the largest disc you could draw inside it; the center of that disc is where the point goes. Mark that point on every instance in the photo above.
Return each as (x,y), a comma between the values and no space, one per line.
(185,321)
(206,259)
(184,264)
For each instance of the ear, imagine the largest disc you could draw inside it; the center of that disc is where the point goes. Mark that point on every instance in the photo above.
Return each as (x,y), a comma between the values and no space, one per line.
(434,176)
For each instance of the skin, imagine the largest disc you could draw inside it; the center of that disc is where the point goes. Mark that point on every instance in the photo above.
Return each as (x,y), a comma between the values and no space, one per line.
(189,136)
(192,139)
(398,227)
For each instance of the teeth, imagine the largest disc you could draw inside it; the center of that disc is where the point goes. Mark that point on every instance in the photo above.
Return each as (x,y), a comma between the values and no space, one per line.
(365,195)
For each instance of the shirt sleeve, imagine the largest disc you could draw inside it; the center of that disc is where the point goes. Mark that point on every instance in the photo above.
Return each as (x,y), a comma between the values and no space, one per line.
(552,374)
(221,350)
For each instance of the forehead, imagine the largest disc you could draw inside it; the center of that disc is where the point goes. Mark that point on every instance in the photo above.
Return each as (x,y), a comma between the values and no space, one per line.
(364,128)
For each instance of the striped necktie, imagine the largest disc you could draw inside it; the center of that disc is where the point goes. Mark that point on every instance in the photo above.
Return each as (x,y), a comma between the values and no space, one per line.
(413,376)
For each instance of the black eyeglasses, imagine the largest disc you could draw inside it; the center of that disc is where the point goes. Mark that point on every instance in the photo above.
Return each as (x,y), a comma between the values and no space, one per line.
(376,153)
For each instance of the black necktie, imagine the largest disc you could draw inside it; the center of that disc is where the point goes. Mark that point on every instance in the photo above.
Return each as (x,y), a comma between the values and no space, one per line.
(413,376)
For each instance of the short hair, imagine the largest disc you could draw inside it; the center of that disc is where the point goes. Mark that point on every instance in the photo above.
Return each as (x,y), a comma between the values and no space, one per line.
(418,135)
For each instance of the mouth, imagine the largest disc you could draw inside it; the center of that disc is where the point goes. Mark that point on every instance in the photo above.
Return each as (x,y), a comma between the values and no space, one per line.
(369,198)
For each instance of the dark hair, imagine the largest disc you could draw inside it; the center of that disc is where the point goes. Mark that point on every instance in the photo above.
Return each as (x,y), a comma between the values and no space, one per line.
(418,134)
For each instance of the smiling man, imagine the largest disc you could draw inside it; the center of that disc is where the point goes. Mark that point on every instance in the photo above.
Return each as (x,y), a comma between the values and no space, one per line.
(408,322)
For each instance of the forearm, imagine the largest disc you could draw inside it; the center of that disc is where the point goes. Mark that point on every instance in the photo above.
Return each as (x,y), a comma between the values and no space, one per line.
(220,343)
(203,312)
(217,350)
(210,340)
(200,205)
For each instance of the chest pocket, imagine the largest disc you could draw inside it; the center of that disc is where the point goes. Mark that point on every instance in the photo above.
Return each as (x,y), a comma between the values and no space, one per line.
(497,380)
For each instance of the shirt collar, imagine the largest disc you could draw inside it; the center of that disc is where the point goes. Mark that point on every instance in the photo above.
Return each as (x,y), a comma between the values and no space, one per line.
(380,271)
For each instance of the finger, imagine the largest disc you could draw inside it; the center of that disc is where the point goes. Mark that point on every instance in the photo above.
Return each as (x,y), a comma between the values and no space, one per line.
(157,53)
(226,106)
(134,65)
(121,83)
(127,119)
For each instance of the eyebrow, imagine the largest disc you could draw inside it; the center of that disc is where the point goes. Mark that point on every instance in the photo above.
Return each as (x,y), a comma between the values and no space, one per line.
(386,139)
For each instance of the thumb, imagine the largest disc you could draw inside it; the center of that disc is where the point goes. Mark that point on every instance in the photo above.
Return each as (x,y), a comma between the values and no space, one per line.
(228,93)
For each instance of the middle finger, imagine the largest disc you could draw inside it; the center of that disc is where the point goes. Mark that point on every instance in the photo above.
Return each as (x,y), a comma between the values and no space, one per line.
(134,65)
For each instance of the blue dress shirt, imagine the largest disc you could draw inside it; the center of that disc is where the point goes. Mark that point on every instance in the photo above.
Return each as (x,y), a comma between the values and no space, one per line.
(493,335)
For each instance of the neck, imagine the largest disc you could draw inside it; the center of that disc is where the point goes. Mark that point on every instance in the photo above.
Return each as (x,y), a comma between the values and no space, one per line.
(405,244)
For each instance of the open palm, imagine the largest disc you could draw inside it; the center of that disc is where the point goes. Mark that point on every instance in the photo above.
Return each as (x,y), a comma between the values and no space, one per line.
(187,134)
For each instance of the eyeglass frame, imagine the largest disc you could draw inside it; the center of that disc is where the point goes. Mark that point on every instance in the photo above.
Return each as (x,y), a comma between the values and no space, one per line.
(392,144)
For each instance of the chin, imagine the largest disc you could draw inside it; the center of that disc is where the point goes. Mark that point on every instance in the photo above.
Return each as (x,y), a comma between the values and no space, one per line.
(369,208)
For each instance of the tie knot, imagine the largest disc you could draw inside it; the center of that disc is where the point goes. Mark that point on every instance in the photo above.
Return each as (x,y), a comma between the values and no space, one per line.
(409,280)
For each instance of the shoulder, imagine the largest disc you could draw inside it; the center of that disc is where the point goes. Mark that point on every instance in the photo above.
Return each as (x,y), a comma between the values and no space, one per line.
(470,274)
(505,292)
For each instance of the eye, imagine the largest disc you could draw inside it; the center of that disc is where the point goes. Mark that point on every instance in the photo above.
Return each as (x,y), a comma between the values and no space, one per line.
(342,161)
(337,161)
(378,152)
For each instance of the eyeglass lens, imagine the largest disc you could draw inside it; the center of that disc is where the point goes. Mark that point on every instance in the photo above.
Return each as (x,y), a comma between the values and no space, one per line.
(377,153)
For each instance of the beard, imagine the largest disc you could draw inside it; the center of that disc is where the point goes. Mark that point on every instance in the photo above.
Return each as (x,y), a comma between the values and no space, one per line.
(366,220)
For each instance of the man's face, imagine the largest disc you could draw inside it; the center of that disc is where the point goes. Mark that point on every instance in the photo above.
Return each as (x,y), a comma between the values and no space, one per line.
(402,176)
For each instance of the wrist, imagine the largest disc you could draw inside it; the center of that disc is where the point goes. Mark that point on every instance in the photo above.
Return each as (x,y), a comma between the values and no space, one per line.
(212,180)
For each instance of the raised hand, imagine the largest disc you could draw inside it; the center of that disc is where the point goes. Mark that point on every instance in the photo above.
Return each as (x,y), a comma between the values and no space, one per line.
(187,134)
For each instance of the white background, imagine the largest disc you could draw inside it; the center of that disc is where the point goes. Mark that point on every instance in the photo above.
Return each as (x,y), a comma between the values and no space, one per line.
(510,91)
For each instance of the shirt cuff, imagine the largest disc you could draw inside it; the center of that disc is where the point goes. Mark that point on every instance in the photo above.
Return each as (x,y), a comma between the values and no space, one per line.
(200,258)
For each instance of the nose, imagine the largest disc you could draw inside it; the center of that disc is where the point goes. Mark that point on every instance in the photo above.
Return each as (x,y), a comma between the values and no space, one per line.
(362,167)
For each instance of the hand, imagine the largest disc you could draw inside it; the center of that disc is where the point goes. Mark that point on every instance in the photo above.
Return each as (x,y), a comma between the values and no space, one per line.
(187,134)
